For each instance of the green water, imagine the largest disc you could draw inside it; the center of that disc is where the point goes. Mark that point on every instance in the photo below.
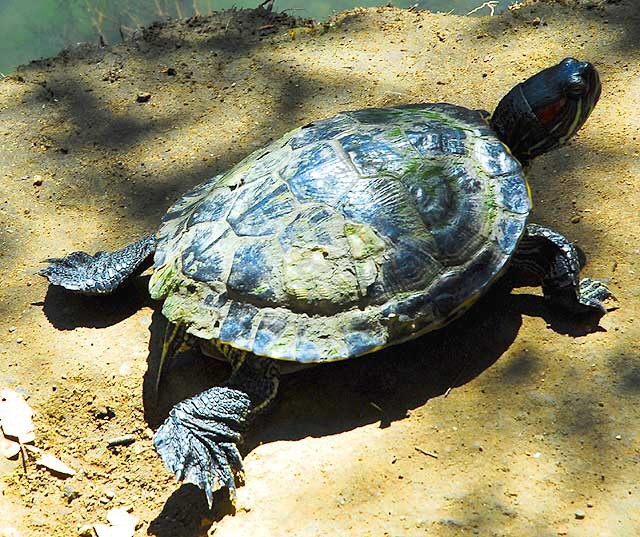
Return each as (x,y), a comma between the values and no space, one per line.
(31,29)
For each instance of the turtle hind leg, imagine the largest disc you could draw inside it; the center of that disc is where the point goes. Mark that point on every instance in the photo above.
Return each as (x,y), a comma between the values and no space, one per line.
(103,272)
(198,440)
(552,258)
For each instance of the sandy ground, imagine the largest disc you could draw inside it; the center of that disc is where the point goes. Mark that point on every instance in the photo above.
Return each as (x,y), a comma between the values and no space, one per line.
(541,415)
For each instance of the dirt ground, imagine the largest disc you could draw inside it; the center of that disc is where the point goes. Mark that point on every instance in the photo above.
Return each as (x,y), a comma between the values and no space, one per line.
(506,423)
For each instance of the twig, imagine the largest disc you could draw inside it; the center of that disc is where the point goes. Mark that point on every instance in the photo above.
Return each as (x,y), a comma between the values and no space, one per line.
(455,381)
(23,452)
(419,450)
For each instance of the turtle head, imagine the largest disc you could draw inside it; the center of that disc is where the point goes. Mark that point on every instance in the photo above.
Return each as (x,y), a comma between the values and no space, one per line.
(543,112)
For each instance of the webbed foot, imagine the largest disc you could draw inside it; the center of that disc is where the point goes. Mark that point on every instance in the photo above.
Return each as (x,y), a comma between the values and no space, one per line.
(588,299)
(197,442)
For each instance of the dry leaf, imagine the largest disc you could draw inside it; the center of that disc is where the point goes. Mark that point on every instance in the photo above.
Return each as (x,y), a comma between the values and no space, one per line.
(123,524)
(15,416)
(8,448)
(55,464)
(49,461)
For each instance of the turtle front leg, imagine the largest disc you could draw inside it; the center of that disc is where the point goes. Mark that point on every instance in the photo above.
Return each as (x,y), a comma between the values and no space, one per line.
(198,440)
(552,258)
(103,272)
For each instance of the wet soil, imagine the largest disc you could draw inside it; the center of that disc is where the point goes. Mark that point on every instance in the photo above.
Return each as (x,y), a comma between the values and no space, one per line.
(506,422)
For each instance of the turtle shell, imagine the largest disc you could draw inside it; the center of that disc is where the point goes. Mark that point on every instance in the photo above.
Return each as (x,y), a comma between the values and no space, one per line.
(344,236)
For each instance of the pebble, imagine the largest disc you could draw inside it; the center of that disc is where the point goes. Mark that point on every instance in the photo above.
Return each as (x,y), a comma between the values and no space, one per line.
(12,329)
(575,219)
(86,530)
(102,412)
(580,514)
(618,437)
(143,97)
(124,440)
(70,493)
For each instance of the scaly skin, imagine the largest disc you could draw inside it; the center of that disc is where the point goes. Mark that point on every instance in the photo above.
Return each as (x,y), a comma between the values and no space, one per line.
(554,260)
(102,273)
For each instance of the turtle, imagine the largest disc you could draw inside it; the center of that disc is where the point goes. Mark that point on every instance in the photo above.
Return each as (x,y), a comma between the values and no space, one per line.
(344,236)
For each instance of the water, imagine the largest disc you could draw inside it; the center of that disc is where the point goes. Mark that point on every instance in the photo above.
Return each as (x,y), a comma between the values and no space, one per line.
(31,29)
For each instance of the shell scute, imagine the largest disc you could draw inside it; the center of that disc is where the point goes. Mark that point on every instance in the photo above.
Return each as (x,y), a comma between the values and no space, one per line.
(276,335)
(322,130)
(255,272)
(319,174)
(313,225)
(496,160)
(508,233)
(377,151)
(513,195)
(238,326)
(202,258)
(211,208)
(258,207)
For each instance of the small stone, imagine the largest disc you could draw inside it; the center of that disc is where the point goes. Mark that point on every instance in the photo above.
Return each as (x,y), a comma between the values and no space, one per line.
(580,514)
(143,97)
(104,500)
(124,440)
(12,329)
(70,493)
(110,494)
(618,437)
(575,219)
(102,412)
(590,504)
(19,340)
(169,71)
(37,180)
(86,530)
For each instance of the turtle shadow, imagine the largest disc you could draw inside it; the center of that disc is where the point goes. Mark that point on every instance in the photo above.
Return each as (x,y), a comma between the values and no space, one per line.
(66,310)
(332,398)
(338,397)
(187,514)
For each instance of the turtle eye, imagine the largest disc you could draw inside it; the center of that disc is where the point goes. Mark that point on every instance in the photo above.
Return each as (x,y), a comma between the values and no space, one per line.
(576,88)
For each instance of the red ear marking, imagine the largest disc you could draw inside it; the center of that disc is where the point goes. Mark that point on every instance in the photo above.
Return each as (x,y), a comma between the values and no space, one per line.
(548,114)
